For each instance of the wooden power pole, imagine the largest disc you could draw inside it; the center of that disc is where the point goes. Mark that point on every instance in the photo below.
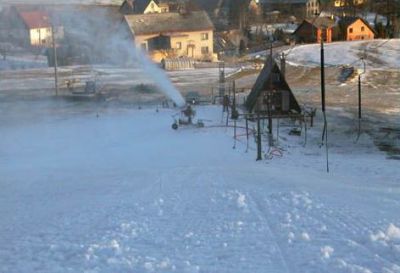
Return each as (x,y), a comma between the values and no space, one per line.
(53,40)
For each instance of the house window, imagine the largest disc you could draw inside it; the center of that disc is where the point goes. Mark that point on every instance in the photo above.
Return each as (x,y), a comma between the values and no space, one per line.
(204,50)
(204,36)
(178,45)
(362,28)
(351,30)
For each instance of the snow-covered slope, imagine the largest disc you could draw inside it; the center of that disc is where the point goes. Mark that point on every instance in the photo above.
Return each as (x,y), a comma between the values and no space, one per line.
(86,190)
(378,54)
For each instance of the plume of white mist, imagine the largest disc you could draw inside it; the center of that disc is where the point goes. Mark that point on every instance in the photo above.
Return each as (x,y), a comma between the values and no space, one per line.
(109,40)
(161,79)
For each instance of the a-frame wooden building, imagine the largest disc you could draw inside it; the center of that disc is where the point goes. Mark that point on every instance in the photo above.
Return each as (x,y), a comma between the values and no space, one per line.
(272,93)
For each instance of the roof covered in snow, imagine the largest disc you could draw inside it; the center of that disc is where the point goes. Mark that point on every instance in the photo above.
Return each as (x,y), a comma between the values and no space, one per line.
(142,24)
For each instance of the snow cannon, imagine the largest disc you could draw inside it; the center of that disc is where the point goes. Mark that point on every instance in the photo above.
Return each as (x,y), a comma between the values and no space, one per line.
(185,117)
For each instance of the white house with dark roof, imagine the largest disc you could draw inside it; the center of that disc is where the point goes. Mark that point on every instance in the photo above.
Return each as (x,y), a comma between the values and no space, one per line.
(173,34)
(144,6)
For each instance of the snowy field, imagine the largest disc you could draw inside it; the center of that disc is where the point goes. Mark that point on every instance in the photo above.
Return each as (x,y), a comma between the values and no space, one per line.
(116,190)
(43,78)
(378,54)
(22,62)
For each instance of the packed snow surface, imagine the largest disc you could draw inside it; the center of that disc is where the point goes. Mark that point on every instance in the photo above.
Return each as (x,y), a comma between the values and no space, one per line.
(118,190)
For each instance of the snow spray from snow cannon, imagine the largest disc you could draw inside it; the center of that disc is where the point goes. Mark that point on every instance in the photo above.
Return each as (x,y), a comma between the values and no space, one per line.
(117,48)
(161,80)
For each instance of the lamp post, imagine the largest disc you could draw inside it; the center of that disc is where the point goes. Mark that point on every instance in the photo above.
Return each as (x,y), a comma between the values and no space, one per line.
(359,98)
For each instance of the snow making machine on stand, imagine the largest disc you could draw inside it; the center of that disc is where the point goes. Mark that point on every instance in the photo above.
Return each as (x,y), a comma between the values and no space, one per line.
(185,118)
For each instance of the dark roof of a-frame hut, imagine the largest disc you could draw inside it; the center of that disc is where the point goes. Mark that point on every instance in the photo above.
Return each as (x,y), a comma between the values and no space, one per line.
(263,83)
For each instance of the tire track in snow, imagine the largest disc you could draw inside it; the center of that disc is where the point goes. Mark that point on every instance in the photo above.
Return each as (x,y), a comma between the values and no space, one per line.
(345,221)
(346,231)
(262,217)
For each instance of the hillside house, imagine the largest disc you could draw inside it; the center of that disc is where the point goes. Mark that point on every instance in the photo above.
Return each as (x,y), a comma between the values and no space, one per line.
(39,27)
(348,7)
(28,26)
(272,91)
(313,7)
(173,34)
(355,28)
(343,3)
(312,30)
(146,6)
(299,8)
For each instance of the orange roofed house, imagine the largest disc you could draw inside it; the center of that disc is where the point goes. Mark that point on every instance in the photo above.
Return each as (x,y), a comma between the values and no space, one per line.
(355,28)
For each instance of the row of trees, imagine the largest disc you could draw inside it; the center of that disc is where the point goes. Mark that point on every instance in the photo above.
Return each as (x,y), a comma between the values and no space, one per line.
(240,15)
(390,9)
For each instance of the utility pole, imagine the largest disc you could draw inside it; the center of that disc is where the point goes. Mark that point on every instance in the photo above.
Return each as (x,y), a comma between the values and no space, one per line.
(269,95)
(325,130)
(259,157)
(53,38)
(270,138)
(221,69)
(234,113)
(283,64)
(247,134)
(359,100)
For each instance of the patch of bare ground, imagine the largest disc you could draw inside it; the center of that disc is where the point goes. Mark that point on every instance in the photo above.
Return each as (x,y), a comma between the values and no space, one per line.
(380,93)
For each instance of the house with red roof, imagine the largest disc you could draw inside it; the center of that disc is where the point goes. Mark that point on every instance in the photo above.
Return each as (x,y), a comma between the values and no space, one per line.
(39,27)
(28,26)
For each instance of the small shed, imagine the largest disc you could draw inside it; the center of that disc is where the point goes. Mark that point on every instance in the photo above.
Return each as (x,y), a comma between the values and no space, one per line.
(272,91)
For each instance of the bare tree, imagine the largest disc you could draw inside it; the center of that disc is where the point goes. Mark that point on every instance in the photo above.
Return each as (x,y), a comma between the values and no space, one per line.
(238,10)
(391,10)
